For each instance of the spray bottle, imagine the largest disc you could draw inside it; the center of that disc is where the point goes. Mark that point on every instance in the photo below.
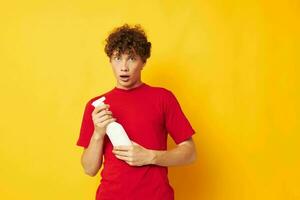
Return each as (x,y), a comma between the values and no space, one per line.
(114,130)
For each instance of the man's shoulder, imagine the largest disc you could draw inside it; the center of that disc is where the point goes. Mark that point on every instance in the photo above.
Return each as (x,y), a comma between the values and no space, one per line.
(160,89)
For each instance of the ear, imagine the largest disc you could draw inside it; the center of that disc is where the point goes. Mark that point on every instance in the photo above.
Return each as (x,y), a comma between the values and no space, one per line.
(143,65)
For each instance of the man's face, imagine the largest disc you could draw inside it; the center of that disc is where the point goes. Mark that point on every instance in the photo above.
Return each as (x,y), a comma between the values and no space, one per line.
(127,69)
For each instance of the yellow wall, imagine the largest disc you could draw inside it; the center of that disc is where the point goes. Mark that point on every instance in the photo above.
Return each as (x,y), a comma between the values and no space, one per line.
(233,65)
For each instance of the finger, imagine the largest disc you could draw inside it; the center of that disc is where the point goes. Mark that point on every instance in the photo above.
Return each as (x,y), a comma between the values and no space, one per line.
(125,158)
(131,164)
(102,113)
(101,119)
(122,153)
(99,108)
(122,148)
(135,143)
(104,118)
(105,123)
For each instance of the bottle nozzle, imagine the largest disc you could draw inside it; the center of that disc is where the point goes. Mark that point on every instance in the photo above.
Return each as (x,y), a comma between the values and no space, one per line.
(98,102)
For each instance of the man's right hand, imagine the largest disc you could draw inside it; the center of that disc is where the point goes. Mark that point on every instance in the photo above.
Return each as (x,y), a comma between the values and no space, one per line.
(102,116)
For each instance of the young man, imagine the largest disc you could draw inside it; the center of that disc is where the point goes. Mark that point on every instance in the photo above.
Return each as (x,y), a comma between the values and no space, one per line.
(147,114)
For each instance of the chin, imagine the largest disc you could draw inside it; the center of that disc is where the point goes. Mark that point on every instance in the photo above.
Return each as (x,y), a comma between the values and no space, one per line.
(126,84)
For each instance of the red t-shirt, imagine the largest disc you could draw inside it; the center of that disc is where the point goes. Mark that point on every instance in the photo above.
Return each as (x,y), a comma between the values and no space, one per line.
(147,114)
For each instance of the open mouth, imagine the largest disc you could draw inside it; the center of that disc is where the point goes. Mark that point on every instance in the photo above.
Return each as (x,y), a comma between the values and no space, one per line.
(124,77)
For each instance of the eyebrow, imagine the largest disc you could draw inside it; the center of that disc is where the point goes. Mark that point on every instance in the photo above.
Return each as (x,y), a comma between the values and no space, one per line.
(130,54)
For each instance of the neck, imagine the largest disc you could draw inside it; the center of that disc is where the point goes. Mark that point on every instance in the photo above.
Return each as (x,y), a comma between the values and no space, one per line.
(137,84)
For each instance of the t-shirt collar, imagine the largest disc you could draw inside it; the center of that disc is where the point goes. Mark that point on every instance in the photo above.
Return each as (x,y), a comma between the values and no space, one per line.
(130,90)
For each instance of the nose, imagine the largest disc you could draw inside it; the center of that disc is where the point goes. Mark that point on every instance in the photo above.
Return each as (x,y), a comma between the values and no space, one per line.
(124,67)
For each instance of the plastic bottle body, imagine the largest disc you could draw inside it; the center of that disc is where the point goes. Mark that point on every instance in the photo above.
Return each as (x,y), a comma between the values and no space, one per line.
(117,134)
(114,130)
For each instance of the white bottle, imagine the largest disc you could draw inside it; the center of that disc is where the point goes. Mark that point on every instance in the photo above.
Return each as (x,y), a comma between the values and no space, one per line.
(114,130)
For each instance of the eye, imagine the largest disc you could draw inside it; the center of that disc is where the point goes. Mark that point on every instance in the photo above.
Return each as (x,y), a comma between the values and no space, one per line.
(132,58)
(117,58)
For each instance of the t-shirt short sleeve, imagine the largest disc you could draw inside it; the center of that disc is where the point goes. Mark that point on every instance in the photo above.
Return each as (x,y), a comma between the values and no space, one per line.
(176,122)
(87,126)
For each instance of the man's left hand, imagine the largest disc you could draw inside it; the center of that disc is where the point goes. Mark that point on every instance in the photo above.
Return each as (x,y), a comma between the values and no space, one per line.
(134,155)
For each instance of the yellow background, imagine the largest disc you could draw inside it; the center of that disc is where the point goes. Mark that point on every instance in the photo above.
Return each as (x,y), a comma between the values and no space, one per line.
(233,66)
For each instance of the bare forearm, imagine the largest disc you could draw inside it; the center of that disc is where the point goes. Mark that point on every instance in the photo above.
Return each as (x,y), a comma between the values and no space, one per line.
(92,157)
(181,155)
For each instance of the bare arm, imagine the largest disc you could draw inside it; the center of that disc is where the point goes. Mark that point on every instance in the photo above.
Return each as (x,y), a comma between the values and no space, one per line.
(91,158)
(137,155)
(184,153)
